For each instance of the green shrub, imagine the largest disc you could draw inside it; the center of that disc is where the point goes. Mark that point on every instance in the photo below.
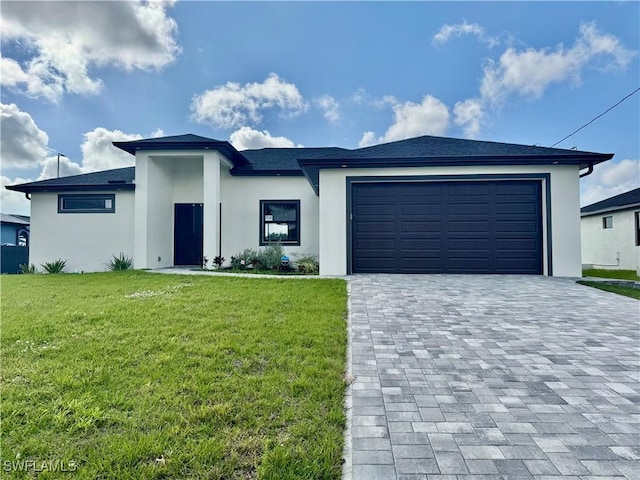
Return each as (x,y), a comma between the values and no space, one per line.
(245,259)
(121,262)
(57,266)
(27,269)
(270,257)
(307,264)
(218,260)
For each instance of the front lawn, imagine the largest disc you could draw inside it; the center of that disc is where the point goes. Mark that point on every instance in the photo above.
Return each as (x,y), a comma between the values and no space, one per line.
(616,274)
(620,290)
(130,375)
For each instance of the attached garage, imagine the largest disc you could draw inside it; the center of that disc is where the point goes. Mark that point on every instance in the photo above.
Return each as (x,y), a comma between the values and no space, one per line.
(447,227)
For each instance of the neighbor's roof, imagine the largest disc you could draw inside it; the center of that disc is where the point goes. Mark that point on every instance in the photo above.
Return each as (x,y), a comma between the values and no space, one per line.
(432,151)
(118,179)
(280,161)
(183,142)
(623,201)
(15,219)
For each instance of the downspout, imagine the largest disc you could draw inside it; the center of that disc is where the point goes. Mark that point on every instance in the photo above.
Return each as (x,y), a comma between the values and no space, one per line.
(588,172)
(27,195)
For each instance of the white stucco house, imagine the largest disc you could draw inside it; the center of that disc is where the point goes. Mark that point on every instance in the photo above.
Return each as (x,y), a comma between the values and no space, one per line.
(420,205)
(610,231)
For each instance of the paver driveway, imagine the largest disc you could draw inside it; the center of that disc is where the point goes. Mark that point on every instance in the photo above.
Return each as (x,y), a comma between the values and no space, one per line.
(493,377)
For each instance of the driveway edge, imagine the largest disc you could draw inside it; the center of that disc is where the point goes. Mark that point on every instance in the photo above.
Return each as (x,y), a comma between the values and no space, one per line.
(347,466)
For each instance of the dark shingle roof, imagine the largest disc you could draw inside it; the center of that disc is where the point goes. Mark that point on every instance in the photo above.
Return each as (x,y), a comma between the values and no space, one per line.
(429,151)
(420,151)
(117,179)
(428,146)
(623,201)
(183,142)
(280,160)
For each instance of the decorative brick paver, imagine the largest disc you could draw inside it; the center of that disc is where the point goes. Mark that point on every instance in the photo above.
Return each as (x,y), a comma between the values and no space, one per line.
(491,377)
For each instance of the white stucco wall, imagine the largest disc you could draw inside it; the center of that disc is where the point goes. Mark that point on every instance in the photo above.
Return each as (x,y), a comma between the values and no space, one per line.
(565,212)
(87,241)
(164,178)
(241,211)
(602,247)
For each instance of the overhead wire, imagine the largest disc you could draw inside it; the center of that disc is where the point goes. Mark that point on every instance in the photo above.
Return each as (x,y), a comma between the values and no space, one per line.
(595,118)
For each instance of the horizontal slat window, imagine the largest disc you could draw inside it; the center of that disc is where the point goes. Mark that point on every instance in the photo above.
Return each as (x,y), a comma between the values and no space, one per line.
(87,203)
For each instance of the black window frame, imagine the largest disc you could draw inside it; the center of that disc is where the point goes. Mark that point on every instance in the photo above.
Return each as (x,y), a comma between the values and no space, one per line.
(606,225)
(637,221)
(92,196)
(264,222)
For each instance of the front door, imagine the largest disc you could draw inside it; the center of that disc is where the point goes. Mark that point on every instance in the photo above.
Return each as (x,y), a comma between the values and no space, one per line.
(187,234)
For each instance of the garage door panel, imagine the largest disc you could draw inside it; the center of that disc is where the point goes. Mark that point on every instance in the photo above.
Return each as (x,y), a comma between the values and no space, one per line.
(408,244)
(526,244)
(413,227)
(416,265)
(375,227)
(475,243)
(511,208)
(421,209)
(516,226)
(376,244)
(516,188)
(474,226)
(375,209)
(418,189)
(447,227)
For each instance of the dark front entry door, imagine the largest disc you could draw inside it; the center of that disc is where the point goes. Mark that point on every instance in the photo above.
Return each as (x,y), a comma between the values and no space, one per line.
(187,234)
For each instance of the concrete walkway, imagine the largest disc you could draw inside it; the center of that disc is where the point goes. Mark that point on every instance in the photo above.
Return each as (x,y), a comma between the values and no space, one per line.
(491,377)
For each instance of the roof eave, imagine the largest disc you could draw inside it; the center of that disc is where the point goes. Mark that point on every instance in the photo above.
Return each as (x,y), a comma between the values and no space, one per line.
(230,152)
(70,188)
(560,159)
(265,173)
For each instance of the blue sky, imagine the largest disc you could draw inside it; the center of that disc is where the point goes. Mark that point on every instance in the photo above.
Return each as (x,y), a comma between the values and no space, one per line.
(315,74)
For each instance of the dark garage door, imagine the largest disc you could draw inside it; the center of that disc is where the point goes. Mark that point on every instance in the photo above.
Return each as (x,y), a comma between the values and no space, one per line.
(447,227)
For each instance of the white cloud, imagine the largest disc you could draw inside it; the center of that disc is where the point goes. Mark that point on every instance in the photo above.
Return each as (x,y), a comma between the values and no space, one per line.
(67,167)
(23,144)
(232,104)
(12,73)
(609,179)
(361,97)
(530,72)
(98,153)
(447,31)
(368,139)
(13,202)
(429,117)
(64,40)
(470,115)
(330,107)
(247,138)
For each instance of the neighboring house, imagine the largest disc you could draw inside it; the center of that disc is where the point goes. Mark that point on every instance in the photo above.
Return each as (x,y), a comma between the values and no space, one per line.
(15,230)
(610,231)
(421,205)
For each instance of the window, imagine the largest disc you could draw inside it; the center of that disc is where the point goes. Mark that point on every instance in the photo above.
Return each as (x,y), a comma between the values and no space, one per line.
(280,222)
(22,237)
(87,203)
(607,222)
(637,215)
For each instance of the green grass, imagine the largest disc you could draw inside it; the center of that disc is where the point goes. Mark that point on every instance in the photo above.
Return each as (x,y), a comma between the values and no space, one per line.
(626,291)
(136,375)
(617,274)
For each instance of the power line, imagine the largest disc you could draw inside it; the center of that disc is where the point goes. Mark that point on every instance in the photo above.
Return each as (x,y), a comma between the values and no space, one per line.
(594,119)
